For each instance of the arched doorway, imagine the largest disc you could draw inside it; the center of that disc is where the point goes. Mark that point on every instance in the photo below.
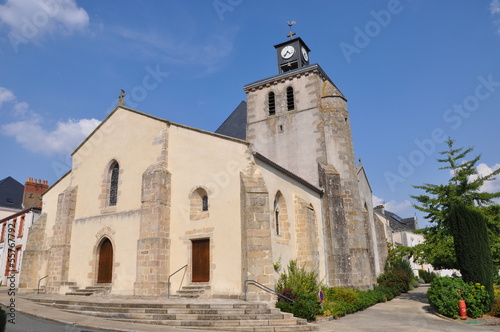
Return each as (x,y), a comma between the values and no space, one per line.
(105,269)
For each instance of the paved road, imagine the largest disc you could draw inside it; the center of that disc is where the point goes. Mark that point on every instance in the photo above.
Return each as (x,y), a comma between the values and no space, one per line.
(409,312)
(24,323)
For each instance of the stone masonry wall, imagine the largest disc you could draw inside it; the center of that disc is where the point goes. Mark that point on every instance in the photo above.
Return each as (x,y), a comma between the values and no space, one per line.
(33,256)
(340,153)
(336,233)
(153,245)
(58,265)
(306,232)
(257,258)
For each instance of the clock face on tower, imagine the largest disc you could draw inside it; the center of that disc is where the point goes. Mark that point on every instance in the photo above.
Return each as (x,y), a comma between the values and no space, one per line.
(287,52)
(304,54)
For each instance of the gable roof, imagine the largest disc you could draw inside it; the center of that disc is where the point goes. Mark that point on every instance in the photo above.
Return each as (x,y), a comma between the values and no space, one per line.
(167,122)
(11,193)
(236,123)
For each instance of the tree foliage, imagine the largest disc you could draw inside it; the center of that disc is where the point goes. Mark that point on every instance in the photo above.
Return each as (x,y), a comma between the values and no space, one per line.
(464,187)
(472,247)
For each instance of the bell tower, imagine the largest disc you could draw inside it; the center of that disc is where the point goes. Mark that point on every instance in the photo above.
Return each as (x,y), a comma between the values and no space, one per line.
(299,120)
(293,53)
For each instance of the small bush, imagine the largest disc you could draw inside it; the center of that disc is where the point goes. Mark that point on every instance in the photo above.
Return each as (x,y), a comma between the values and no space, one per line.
(495,307)
(445,292)
(427,276)
(302,287)
(385,291)
(397,280)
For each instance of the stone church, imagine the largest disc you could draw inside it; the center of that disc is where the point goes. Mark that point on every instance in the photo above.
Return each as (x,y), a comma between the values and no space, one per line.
(277,181)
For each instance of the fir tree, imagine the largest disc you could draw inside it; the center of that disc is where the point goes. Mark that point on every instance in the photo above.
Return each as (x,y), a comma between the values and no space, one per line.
(463,191)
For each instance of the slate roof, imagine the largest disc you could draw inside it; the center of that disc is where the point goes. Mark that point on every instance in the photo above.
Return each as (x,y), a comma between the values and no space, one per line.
(236,123)
(11,193)
(399,224)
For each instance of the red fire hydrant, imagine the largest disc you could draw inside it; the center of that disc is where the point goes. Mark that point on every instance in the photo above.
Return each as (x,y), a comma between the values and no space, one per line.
(462,308)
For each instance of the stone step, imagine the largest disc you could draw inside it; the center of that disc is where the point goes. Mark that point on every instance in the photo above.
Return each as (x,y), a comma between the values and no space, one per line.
(171,311)
(81,293)
(231,316)
(172,305)
(197,317)
(289,328)
(219,323)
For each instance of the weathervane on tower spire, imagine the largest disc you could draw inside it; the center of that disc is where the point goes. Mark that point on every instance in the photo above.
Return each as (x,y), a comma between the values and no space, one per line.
(291,34)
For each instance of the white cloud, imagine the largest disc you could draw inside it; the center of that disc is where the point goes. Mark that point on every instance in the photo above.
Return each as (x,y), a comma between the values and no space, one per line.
(29,132)
(63,139)
(489,186)
(495,7)
(399,208)
(5,96)
(31,18)
(495,10)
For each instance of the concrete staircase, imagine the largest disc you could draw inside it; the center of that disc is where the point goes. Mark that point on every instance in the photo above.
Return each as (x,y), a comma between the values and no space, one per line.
(221,316)
(100,289)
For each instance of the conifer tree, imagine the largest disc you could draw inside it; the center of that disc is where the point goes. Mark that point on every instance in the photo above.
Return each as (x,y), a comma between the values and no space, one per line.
(472,248)
(463,191)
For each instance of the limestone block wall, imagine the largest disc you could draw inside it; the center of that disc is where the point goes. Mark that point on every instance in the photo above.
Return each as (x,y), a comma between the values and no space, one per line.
(153,245)
(59,257)
(306,232)
(34,256)
(338,255)
(257,263)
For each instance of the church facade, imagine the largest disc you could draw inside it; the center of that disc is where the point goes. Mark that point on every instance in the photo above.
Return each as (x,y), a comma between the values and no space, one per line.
(277,181)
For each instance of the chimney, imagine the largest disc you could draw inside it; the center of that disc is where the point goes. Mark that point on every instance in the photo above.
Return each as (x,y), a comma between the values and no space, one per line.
(33,190)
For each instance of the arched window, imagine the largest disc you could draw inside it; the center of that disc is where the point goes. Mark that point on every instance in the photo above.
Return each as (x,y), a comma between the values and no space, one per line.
(271,103)
(277,214)
(113,185)
(198,204)
(289,99)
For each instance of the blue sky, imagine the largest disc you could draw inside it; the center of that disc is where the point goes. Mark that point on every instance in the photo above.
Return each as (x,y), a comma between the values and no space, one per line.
(414,71)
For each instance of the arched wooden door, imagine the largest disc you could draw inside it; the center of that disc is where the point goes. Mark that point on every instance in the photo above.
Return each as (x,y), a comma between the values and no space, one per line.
(105,271)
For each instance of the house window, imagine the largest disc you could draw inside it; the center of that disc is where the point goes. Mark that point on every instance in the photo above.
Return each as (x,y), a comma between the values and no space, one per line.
(271,103)
(289,99)
(21,226)
(3,231)
(113,187)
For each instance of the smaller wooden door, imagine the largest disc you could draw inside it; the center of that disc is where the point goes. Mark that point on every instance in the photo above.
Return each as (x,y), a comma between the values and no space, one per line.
(105,271)
(201,260)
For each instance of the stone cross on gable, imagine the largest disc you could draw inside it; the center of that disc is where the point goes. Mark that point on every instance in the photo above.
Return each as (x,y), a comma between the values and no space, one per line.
(121,101)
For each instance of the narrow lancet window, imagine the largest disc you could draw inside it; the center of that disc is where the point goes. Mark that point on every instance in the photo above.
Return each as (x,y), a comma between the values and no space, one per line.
(204,203)
(113,187)
(289,98)
(272,103)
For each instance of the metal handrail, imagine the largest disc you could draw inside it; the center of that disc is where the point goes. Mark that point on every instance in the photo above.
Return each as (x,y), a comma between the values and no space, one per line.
(267,289)
(38,287)
(168,281)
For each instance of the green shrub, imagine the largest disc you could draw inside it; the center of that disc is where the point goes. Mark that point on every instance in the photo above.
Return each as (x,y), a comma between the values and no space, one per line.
(385,291)
(495,307)
(445,292)
(302,287)
(3,320)
(397,280)
(427,276)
